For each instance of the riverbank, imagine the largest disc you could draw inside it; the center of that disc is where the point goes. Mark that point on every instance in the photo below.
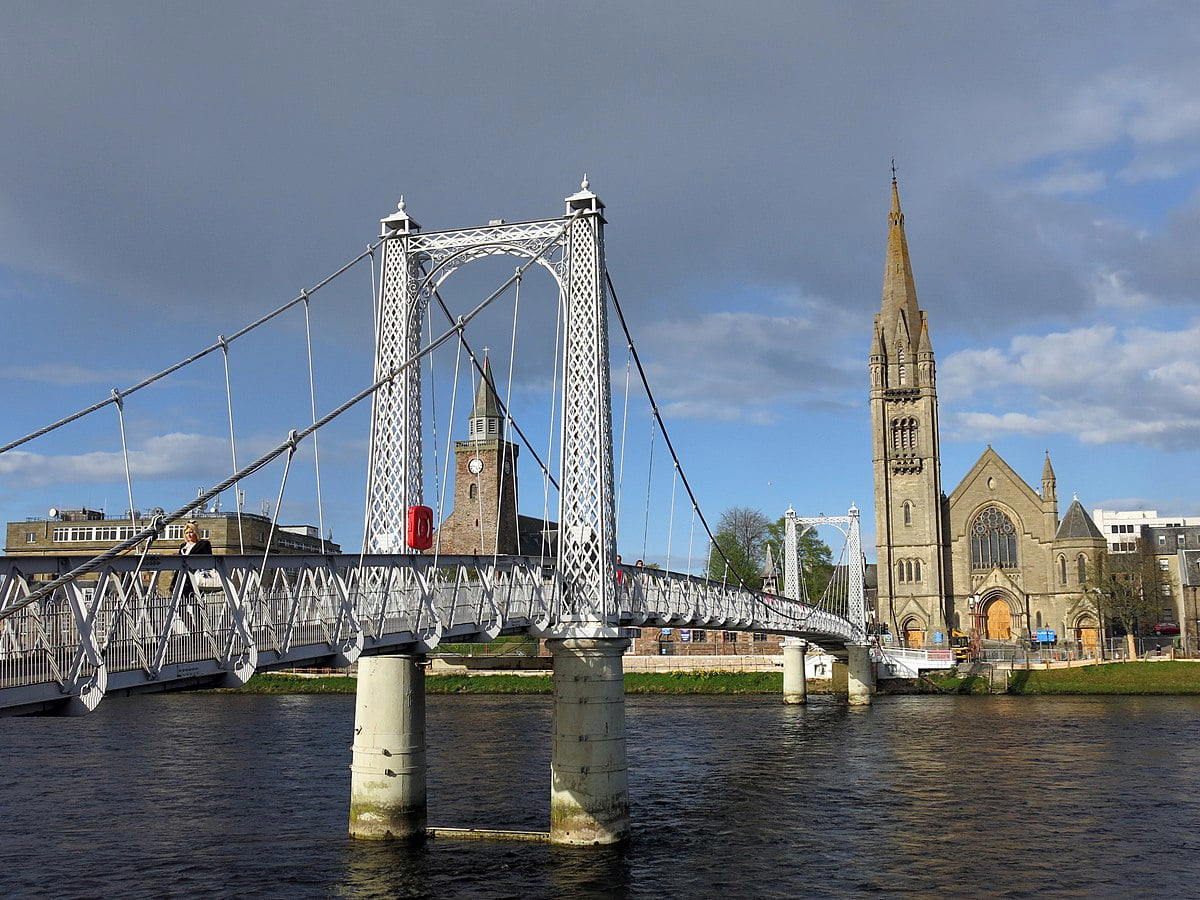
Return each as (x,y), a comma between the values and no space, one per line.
(635,683)
(1108,679)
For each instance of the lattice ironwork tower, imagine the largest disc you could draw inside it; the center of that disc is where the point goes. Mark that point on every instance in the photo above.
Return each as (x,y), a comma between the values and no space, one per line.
(414,264)
(909,508)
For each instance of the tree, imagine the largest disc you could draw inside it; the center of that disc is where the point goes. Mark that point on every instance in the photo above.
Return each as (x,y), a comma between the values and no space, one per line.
(1125,588)
(816,559)
(741,534)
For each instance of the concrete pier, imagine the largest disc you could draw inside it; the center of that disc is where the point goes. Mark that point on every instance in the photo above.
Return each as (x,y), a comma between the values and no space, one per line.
(795,679)
(589,791)
(860,673)
(387,776)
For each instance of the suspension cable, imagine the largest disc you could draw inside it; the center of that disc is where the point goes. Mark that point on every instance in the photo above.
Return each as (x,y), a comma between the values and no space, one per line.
(149,380)
(671,519)
(237,496)
(649,486)
(546,479)
(119,400)
(437,547)
(293,438)
(512,364)
(624,423)
(312,396)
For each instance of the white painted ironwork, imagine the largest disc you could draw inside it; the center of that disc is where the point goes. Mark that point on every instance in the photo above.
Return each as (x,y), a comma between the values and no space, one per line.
(846,594)
(571,248)
(149,624)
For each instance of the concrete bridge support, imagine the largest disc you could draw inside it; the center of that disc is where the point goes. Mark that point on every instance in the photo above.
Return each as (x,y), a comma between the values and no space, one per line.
(589,791)
(795,680)
(860,675)
(387,776)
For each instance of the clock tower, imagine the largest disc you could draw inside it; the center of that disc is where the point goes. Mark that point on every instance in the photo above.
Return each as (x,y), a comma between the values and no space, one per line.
(484,517)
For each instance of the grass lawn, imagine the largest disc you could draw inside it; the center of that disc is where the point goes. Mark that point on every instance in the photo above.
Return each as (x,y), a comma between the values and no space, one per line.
(1110,678)
(635,683)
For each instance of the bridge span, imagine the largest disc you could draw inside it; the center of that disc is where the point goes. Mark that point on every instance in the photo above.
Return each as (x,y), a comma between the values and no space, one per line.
(119,633)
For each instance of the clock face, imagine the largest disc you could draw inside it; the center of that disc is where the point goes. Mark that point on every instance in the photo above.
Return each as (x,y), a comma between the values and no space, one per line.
(475,465)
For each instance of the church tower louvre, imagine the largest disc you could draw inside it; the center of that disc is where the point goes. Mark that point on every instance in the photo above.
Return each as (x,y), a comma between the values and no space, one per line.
(910,511)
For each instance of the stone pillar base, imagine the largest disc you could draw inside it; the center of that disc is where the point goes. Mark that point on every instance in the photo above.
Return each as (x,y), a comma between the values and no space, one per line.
(860,675)
(795,680)
(589,791)
(387,776)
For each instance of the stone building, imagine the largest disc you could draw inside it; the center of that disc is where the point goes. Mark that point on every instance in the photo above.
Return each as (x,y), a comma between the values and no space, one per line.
(993,559)
(1176,550)
(484,519)
(87,532)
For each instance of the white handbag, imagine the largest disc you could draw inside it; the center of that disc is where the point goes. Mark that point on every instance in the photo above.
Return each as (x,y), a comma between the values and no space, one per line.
(208,580)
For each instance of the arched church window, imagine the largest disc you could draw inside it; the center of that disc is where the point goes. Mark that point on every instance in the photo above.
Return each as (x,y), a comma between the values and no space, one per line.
(1062,570)
(900,571)
(1081,566)
(908,507)
(993,540)
(916,570)
(1038,619)
(473,490)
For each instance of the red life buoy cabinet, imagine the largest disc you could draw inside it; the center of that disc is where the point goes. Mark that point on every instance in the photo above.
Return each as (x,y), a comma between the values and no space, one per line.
(420,527)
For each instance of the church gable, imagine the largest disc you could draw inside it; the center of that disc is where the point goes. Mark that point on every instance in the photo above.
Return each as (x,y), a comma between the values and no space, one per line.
(992,480)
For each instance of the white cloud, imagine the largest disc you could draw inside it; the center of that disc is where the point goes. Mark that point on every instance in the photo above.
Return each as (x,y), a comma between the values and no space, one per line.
(1099,383)
(1070,178)
(750,366)
(162,456)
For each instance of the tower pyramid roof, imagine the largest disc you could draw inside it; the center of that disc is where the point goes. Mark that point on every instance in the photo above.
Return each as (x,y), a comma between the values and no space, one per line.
(1077,525)
(487,404)
(1047,469)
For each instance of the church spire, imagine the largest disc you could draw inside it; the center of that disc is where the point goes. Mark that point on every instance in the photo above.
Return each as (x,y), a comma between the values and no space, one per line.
(485,414)
(899,289)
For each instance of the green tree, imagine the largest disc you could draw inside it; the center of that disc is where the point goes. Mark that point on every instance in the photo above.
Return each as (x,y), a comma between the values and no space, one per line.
(741,534)
(1125,588)
(816,559)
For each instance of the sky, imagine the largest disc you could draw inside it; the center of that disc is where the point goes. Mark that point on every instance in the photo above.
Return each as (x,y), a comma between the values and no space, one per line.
(171,170)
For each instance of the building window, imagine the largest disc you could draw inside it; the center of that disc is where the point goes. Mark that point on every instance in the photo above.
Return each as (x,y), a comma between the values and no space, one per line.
(1165,590)
(1180,539)
(993,541)
(759,637)
(31,537)
(904,434)
(1062,570)
(492,426)
(699,637)
(916,570)
(1081,566)
(1162,540)
(729,637)
(1164,564)
(908,507)
(473,491)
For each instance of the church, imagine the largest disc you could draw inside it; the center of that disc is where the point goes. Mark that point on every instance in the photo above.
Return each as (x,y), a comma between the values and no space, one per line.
(993,559)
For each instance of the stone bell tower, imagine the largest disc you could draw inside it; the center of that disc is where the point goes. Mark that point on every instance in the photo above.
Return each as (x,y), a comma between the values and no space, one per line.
(909,508)
(485,482)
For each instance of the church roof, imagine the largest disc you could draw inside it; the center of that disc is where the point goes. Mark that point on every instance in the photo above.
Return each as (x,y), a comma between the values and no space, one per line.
(1077,525)
(923,345)
(487,405)
(769,570)
(899,289)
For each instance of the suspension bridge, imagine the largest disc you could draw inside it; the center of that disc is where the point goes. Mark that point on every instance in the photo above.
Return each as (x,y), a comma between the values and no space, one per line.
(127,619)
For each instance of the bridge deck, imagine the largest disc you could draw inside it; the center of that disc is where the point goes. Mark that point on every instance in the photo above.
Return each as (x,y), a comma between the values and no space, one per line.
(164,623)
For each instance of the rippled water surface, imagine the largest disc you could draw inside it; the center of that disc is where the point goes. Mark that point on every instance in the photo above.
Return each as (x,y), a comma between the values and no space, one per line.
(182,794)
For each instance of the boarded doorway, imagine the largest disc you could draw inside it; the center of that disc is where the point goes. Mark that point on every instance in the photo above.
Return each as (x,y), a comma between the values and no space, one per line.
(1088,635)
(914,634)
(998,620)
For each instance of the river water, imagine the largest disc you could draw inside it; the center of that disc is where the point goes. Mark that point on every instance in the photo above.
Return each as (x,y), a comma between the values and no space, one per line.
(230,795)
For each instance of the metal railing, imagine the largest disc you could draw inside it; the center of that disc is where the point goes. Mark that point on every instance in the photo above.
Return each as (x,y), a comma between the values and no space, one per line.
(150,622)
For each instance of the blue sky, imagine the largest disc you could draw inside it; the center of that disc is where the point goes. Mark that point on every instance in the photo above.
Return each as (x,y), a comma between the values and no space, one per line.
(194,166)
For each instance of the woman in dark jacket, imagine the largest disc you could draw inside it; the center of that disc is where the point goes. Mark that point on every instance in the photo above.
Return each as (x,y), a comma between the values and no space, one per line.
(193,545)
